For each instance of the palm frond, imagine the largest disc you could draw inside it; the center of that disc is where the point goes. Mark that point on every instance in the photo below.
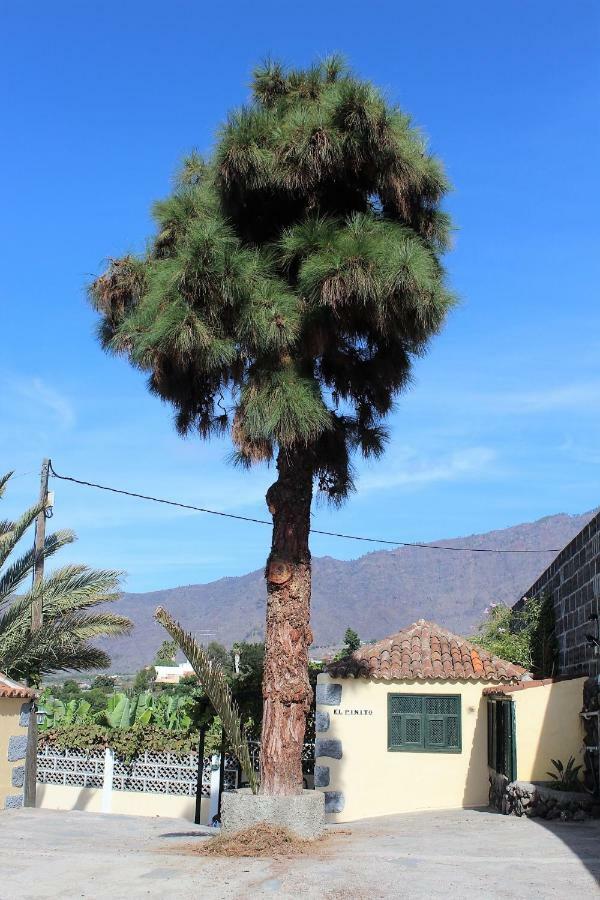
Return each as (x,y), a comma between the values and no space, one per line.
(4,479)
(66,594)
(11,537)
(15,574)
(217,690)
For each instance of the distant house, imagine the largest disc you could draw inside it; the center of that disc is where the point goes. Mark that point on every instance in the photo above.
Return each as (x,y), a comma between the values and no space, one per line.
(172,674)
(426,720)
(573,582)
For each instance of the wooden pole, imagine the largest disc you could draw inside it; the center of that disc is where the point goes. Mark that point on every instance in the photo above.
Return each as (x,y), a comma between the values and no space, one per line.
(200,774)
(30,780)
(40,539)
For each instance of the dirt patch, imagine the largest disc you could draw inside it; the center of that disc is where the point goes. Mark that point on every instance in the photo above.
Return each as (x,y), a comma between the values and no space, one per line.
(262,841)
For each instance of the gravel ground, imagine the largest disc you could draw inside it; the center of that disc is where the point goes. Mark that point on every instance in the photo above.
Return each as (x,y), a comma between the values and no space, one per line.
(422,855)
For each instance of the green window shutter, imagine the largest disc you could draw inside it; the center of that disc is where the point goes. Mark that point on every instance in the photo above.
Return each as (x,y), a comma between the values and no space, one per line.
(442,723)
(453,734)
(420,722)
(405,722)
(435,735)
(412,731)
(394,730)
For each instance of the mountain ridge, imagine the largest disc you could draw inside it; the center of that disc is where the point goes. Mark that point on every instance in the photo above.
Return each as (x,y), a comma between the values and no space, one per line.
(376,594)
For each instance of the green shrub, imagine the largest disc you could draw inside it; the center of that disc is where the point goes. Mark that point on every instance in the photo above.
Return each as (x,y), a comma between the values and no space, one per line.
(566,778)
(525,635)
(129,743)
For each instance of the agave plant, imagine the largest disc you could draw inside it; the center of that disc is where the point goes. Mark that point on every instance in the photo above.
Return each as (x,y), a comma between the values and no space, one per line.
(216,688)
(566,778)
(67,594)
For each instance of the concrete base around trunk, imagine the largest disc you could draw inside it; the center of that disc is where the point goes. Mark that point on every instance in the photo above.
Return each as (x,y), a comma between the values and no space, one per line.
(304,813)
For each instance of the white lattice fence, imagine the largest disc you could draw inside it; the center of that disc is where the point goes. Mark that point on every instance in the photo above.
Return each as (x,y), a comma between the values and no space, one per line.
(308,756)
(157,773)
(70,767)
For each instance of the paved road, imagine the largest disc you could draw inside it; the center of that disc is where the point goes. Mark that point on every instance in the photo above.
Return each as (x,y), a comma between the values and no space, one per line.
(462,854)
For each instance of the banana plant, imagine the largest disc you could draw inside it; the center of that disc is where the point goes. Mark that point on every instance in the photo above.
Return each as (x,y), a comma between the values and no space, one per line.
(75,712)
(143,708)
(175,716)
(54,713)
(123,711)
(118,711)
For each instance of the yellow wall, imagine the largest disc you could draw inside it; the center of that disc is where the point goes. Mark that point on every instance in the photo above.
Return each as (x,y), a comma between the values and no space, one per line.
(548,726)
(378,782)
(10,710)
(131,803)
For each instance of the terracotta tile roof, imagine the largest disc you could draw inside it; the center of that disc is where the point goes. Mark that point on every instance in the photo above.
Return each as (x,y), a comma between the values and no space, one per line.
(10,688)
(525,685)
(425,650)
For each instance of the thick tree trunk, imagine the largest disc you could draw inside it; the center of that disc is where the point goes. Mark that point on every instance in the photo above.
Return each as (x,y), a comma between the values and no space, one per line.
(287,694)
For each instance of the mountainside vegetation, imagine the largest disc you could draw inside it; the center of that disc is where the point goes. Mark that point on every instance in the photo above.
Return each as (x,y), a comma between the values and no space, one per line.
(377,593)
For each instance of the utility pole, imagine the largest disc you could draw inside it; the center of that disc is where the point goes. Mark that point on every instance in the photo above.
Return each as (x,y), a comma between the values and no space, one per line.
(30,776)
(40,540)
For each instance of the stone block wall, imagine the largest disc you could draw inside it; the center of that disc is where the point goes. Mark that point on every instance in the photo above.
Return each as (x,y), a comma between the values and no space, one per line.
(15,725)
(328,695)
(573,582)
(534,800)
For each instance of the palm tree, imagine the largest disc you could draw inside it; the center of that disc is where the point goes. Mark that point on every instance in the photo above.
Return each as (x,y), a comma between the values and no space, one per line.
(294,276)
(63,640)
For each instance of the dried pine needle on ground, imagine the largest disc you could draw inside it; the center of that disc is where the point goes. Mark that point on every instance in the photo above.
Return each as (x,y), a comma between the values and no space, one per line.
(259,840)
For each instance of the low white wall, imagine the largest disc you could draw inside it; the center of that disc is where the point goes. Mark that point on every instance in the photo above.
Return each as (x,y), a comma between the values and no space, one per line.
(128,803)
(548,726)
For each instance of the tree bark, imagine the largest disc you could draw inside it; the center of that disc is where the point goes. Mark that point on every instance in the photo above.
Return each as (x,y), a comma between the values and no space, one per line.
(287,693)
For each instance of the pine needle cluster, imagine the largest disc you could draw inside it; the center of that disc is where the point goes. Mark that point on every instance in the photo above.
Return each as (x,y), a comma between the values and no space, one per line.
(294,274)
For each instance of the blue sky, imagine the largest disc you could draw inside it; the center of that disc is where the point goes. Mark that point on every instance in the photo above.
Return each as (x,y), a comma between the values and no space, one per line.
(502,425)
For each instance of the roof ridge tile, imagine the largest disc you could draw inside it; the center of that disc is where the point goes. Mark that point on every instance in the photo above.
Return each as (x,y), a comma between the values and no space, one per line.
(425,649)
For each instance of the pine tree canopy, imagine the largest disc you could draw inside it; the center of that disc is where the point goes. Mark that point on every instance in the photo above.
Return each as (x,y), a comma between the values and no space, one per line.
(294,274)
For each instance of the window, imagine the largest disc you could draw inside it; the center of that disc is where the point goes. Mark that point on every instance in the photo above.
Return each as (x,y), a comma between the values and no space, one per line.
(501,737)
(423,722)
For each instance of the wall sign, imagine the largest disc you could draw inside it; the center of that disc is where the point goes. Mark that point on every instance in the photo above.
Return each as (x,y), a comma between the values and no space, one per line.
(352,712)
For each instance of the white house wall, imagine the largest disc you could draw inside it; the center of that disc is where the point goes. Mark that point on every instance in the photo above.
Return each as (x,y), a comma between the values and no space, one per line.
(361,778)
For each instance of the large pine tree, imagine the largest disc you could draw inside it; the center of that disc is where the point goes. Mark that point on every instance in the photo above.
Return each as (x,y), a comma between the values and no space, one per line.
(293,277)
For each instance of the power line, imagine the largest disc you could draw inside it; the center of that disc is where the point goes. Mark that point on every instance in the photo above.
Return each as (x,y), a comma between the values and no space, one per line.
(226,515)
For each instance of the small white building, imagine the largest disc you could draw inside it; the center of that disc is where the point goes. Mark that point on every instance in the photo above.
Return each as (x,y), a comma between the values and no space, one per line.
(426,720)
(172,674)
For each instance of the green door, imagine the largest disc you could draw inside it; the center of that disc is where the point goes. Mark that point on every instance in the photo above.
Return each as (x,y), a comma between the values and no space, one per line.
(502,749)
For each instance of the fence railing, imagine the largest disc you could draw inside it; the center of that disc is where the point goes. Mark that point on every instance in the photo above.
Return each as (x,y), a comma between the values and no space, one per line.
(151,772)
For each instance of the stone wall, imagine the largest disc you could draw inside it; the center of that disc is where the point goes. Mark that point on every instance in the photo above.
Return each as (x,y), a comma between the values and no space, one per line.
(534,800)
(573,582)
(327,695)
(591,739)
(16,721)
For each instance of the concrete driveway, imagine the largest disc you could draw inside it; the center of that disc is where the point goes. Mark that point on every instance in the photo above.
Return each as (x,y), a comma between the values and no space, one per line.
(422,855)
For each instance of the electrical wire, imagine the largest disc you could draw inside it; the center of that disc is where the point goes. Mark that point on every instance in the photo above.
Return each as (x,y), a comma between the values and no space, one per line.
(337,534)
